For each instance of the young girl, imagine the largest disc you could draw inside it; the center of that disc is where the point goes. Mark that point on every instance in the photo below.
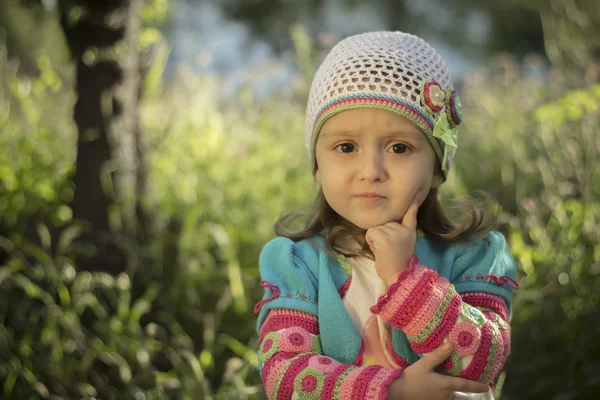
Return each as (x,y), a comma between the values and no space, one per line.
(381,288)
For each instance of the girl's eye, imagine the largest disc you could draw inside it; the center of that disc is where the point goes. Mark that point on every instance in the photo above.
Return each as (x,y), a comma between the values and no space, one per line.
(399,148)
(345,148)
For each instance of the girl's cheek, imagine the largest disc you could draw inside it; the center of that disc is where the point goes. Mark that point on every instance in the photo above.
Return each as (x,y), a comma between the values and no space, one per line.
(423,192)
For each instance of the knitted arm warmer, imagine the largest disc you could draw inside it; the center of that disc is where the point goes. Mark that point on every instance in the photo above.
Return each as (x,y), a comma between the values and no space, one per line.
(293,365)
(427,308)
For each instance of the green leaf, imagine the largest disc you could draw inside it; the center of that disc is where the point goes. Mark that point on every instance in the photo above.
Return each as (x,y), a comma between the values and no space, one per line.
(31,289)
(66,238)
(88,300)
(5,273)
(38,253)
(63,294)
(45,236)
(139,308)
(9,384)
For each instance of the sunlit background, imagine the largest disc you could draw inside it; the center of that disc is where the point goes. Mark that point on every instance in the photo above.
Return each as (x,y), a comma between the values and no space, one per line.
(147,148)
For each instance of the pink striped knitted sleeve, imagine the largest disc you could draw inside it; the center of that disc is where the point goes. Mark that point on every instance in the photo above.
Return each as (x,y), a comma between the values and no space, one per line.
(293,363)
(427,308)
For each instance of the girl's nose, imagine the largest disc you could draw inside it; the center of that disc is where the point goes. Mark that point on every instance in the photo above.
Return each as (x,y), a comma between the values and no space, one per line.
(372,167)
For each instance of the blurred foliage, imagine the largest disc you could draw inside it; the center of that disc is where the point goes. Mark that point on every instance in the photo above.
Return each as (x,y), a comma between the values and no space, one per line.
(216,181)
(179,323)
(30,32)
(83,335)
(474,28)
(541,147)
(38,144)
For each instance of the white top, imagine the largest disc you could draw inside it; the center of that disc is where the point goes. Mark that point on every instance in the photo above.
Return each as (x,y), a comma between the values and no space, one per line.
(364,290)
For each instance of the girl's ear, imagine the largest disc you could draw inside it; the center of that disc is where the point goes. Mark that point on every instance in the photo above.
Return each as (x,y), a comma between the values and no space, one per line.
(318,176)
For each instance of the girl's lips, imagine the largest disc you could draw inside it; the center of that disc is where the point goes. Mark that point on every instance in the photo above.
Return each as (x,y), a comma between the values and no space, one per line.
(370,198)
(370,194)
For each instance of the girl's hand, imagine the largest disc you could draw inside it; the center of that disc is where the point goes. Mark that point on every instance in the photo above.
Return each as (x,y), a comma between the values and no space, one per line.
(419,381)
(393,244)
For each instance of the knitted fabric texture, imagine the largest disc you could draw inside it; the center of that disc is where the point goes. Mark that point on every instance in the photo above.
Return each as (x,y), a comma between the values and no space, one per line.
(309,279)
(310,348)
(393,71)
(293,365)
(427,308)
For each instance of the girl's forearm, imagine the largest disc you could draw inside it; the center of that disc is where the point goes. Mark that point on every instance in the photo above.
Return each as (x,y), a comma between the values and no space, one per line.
(293,366)
(427,308)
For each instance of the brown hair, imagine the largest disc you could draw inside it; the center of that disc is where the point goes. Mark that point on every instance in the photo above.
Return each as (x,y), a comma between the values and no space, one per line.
(478,215)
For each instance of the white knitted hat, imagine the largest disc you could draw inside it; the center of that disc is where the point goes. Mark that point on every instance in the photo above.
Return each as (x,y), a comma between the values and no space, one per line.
(394,71)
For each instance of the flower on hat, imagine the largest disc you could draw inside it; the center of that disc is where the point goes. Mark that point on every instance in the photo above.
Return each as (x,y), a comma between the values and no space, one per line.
(454,106)
(448,135)
(433,97)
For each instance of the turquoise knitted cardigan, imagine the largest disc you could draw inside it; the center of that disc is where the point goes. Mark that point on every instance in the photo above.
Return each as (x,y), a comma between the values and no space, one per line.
(303,276)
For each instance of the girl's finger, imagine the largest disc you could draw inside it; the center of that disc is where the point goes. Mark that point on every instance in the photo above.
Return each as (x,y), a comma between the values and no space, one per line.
(371,232)
(390,229)
(436,357)
(392,224)
(371,236)
(465,385)
(369,241)
(410,218)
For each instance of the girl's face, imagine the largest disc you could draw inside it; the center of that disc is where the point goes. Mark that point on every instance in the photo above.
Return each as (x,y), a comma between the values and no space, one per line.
(371,163)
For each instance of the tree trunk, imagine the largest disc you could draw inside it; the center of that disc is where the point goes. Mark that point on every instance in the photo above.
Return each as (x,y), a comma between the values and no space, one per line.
(102,38)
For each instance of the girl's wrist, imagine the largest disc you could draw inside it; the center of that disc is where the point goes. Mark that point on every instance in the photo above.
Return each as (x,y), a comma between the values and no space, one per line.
(395,388)
(390,279)
(393,277)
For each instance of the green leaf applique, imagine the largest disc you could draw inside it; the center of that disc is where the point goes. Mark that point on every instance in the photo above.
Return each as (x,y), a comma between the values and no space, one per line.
(448,135)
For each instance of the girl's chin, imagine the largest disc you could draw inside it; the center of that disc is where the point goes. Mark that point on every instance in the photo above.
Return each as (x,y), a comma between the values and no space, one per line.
(372,223)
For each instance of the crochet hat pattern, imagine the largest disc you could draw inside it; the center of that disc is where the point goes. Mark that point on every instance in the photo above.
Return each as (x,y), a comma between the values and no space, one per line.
(394,71)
